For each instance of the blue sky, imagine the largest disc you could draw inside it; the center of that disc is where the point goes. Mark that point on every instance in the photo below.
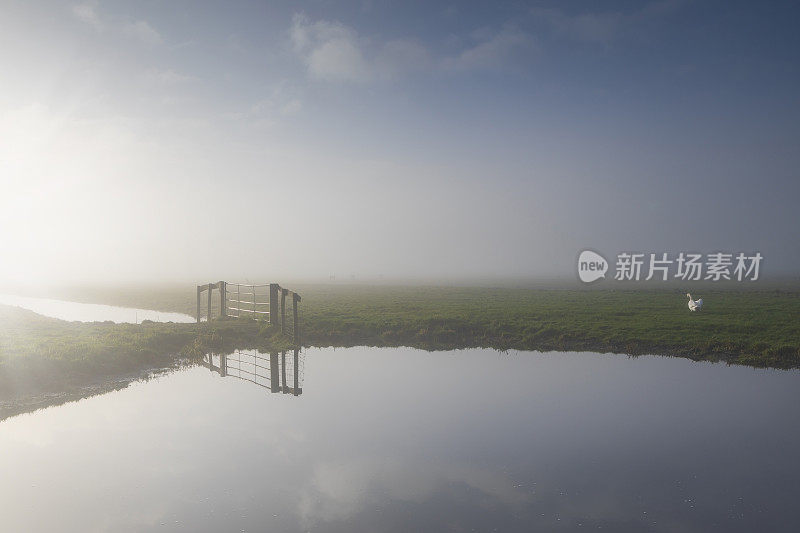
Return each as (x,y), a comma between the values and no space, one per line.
(394,139)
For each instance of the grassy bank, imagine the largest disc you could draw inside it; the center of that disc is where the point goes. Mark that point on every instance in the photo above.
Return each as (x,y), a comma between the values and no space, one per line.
(752,327)
(758,328)
(40,355)
(45,361)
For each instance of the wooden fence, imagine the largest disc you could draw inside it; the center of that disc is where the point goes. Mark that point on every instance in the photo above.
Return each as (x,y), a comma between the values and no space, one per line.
(273,371)
(264,302)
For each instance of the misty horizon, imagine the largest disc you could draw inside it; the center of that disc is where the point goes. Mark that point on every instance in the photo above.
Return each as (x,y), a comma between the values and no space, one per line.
(377,141)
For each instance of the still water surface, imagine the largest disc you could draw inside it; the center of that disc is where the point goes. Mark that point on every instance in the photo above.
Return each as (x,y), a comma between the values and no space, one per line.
(81,312)
(404,440)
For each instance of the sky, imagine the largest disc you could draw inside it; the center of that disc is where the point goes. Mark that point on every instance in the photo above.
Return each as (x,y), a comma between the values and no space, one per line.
(377,140)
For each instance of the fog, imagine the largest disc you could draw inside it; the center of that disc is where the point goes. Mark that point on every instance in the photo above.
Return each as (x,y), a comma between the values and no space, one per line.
(381,141)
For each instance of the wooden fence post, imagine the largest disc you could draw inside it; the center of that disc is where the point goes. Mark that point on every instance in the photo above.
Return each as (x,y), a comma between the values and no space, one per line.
(296,388)
(273,303)
(210,290)
(223,295)
(283,371)
(296,299)
(283,310)
(274,380)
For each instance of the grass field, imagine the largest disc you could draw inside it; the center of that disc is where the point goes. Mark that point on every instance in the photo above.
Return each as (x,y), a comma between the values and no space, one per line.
(752,327)
(43,355)
(40,355)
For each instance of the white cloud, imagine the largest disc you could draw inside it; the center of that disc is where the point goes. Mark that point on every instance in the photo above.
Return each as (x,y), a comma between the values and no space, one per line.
(339,489)
(338,60)
(144,32)
(334,52)
(330,50)
(88,14)
(494,50)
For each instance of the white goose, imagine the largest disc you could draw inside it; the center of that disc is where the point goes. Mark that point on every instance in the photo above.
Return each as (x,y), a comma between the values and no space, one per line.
(694,305)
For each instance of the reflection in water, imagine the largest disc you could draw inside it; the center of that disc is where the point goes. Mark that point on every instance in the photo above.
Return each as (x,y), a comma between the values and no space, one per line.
(399,440)
(283,369)
(265,370)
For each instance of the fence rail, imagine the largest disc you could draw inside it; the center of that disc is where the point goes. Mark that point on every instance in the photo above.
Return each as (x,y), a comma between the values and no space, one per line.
(273,371)
(266,301)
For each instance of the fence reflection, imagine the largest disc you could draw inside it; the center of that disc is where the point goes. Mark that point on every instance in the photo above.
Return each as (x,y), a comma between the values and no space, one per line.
(276,371)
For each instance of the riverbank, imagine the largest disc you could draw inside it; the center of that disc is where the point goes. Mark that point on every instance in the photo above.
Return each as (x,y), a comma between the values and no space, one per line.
(41,356)
(756,327)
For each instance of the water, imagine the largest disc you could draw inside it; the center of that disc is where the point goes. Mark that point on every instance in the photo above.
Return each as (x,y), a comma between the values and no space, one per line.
(403,440)
(81,312)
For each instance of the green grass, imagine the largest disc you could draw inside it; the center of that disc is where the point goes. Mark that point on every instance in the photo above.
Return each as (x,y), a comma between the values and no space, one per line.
(40,354)
(751,327)
(757,328)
